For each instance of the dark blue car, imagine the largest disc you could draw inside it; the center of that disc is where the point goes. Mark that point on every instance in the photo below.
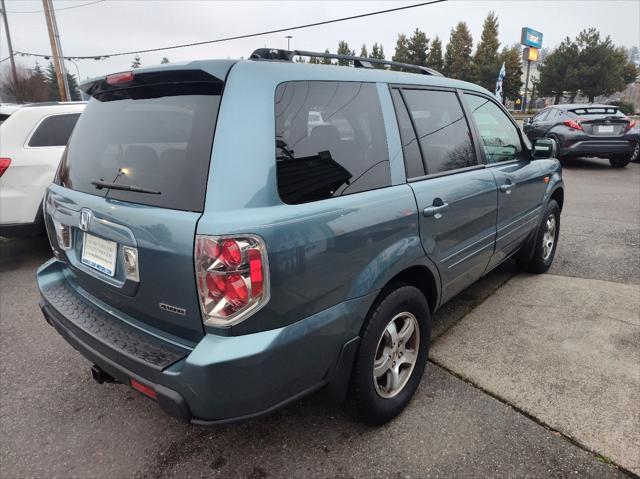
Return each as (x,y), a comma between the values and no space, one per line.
(229,236)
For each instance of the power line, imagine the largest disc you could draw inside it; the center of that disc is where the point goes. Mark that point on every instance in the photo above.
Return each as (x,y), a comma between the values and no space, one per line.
(239,37)
(63,8)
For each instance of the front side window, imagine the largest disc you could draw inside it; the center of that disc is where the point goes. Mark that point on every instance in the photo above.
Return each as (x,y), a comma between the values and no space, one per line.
(541,116)
(330,140)
(442,130)
(499,136)
(54,130)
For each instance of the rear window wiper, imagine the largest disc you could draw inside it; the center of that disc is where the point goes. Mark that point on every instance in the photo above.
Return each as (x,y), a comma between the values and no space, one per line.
(99,184)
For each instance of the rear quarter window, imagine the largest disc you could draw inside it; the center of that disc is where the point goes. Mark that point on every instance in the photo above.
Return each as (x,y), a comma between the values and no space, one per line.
(54,130)
(330,140)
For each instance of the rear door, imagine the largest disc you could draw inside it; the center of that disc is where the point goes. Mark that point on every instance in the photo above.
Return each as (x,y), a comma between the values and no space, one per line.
(520,181)
(150,138)
(455,194)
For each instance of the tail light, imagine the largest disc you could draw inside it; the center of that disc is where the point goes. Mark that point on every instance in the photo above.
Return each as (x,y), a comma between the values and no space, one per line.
(632,124)
(4,164)
(63,235)
(233,278)
(575,124)
(118,78)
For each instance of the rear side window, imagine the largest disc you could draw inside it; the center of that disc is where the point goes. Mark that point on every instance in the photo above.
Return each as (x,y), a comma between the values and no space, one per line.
(330,140)
(54,130)
(442,130)
(412,157)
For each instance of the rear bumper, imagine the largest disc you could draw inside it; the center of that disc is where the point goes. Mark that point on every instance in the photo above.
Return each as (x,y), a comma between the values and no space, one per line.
(222,378)
(601,148)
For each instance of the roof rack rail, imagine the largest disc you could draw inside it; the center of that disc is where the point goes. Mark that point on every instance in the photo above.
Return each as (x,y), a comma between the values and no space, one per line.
(358,62)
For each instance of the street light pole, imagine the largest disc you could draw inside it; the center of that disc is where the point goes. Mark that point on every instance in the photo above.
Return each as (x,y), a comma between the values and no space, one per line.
(13,62)
(526,86)
(288,37)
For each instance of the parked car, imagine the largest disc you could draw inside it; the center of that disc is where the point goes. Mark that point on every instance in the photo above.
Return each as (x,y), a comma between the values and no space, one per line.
(33,139)
(222,258)
(587,130)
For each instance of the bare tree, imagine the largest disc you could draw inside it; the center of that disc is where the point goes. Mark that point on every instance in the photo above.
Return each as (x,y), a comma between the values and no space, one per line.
(30,87)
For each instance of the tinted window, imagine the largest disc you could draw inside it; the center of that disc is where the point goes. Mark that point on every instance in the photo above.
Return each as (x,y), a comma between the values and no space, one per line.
(161,144)
(500,138)
(442,130)
(330,140)
(54,130)
(412,158)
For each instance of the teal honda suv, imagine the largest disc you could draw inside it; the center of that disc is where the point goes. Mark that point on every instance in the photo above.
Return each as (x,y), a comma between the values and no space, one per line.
(230,236)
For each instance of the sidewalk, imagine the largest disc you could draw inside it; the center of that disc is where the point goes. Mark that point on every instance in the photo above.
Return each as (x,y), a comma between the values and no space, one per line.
(564,350)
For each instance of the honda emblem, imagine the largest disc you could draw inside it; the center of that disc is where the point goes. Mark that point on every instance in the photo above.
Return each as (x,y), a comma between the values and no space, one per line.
(85,219)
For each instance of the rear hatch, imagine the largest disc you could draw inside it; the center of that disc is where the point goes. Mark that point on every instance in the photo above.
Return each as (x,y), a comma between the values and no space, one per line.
(132,181)
(602,121)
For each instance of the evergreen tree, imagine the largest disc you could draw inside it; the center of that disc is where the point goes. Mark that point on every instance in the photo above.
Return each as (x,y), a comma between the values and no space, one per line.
(512,83)
(136,62)
(602,69)
(457,59)
(52,82)
(164,61)
(378,53)
(363,51)
(434,57)
(402,50)
(343,49)
(326,61)
(559,71)
(487,59)
(418,44)
(38,72)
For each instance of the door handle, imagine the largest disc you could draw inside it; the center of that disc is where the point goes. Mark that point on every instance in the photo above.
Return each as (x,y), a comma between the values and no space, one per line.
(506,188)
(435,211)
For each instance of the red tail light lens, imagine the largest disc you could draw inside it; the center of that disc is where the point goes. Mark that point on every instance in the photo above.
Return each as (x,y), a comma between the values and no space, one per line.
(117,78)
(575,124)
(4,164)
(232,278)
(632,124)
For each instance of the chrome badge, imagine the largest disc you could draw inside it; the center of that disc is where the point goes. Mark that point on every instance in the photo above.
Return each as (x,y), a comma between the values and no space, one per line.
(85,219)
(173,309)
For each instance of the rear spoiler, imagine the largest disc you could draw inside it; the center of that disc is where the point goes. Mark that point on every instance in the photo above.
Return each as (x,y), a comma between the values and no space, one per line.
(132,85)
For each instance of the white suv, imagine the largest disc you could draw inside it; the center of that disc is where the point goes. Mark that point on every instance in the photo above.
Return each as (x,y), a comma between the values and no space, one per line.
(32,139)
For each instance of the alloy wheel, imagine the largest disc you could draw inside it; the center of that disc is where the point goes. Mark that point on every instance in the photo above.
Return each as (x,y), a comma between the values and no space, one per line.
(396,354)
(549,237)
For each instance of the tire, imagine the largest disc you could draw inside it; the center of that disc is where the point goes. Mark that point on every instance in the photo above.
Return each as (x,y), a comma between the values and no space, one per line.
(619,161)
(377,401)
(635,156)
(541,259)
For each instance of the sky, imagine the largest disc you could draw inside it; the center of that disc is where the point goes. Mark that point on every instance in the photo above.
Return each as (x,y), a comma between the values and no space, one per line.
(123,25)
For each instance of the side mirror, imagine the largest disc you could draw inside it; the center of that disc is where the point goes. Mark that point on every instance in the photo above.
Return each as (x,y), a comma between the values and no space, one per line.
(543,149)
(527,121)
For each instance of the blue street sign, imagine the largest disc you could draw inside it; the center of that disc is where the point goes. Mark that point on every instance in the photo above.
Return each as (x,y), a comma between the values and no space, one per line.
(531,37)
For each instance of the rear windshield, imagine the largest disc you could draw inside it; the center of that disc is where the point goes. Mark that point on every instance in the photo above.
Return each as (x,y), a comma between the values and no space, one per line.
(161,144)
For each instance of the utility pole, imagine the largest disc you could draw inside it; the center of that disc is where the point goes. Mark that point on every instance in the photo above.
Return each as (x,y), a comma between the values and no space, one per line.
(56,51)
(288,37)
(13,62)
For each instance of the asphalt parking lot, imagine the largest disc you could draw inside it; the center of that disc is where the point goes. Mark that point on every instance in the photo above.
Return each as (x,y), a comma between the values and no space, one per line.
(532,376)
